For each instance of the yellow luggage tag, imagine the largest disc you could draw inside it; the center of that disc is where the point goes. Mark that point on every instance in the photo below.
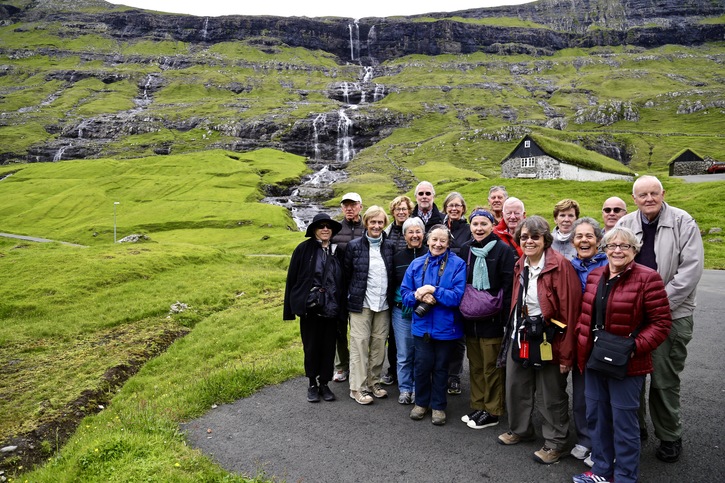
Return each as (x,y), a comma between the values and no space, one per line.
(561,325)
(545,349)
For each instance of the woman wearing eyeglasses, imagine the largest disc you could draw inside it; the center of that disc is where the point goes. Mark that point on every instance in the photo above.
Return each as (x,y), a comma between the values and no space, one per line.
(538,345)
(624,298)
(400,209)
(313,293)
(454,207)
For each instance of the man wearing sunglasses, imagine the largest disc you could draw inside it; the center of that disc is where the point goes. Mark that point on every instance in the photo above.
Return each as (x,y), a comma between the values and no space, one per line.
(613,209)
(425,208)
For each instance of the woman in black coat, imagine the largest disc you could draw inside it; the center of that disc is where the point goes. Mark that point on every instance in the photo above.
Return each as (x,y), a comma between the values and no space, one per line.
(490,267)
(313,293)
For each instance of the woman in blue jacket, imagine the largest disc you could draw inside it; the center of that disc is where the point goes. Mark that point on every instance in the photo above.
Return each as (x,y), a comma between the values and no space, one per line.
(433,285)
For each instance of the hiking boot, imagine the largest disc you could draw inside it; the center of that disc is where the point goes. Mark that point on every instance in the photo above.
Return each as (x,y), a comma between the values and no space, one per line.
(418,412)
(589,477)
(388,379)
(669,451)
(454,387)
(313,394)
(405,398)
(547,455)
(361,397)
(484,420)
(472,415)
(579,452)
(510,438)
(326,393)
(439,417)
(379,392)
(340,376)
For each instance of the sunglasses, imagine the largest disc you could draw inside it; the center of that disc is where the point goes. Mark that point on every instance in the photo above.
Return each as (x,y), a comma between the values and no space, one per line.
(532,237)
(615,210)
(324,225)
(424,193)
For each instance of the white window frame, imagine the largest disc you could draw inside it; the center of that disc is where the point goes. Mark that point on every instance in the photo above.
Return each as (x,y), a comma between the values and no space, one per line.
(527,144)
(528,162)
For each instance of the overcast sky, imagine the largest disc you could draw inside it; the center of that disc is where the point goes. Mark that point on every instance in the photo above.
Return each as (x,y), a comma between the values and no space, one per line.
(313,8)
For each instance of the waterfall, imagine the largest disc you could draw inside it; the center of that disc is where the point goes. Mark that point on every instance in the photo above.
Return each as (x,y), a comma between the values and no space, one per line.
(204,31)
(379,92)
(318,125)
(345,148)
(346,92)
(357,38)
(146,86)
(354,39)
(81,126)
(352,44)
(59,154)
(367,73)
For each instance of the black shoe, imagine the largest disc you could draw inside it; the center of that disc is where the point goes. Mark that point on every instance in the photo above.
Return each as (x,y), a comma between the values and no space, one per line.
(313,394)
(454,387)
(326,393)
(669,451)
(484,420)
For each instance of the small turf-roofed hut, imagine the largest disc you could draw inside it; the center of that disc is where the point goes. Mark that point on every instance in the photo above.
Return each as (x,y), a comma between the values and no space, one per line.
(539,157)
(688,162)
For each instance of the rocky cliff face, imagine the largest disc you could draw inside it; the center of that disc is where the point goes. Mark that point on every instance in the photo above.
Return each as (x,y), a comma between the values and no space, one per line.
(321,122)
(584,23)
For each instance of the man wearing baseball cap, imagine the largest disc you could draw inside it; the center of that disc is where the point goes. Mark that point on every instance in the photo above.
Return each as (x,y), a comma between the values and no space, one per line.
(352,227)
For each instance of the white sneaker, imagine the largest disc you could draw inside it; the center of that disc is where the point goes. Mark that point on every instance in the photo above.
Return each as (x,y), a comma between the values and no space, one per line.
(340,376)
(580,452)
(588,461)
(361,397)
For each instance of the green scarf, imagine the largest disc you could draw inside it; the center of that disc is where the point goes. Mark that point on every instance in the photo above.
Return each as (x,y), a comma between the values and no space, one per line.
(480,270)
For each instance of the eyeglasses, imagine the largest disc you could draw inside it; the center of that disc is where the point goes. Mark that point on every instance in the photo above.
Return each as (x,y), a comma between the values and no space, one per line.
(424,193)
(532,237)
(622,246)
(615,210)
(401,209)
(322,226)
(512,213)
(455,206)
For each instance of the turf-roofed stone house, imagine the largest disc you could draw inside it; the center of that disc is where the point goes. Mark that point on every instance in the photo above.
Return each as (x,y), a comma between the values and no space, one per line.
(688,162)
(539,157)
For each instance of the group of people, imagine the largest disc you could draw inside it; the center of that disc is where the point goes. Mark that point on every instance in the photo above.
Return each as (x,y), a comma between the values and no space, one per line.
(526,303)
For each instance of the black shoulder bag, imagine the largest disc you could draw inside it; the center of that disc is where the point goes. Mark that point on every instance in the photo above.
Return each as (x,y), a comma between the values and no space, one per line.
(611,353)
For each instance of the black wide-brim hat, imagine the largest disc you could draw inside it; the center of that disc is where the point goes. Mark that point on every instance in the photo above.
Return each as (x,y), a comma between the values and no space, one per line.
(318,220)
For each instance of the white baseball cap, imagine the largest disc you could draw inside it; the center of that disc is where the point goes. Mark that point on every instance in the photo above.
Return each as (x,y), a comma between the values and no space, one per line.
(351,197)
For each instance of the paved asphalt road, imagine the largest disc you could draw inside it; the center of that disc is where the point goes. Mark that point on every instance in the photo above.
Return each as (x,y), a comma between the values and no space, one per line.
(277,433)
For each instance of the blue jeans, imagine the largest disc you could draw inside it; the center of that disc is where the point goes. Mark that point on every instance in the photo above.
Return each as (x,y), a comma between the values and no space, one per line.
(613,423)
(431,372)
(405,350)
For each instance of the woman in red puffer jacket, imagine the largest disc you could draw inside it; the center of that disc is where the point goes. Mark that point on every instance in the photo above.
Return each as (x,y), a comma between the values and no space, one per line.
(621,297)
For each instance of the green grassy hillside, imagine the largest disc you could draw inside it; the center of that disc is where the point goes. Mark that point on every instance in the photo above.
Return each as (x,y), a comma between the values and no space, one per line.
(74,319)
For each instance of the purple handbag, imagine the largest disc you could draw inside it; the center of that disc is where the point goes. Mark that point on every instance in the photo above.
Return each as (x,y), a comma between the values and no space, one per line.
(480,304)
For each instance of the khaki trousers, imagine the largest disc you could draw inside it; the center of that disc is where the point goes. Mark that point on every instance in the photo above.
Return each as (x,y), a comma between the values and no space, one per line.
(487,380)
(368,332)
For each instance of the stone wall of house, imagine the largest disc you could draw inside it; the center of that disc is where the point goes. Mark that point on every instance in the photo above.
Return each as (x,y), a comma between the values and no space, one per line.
(547,167)
(685,168)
